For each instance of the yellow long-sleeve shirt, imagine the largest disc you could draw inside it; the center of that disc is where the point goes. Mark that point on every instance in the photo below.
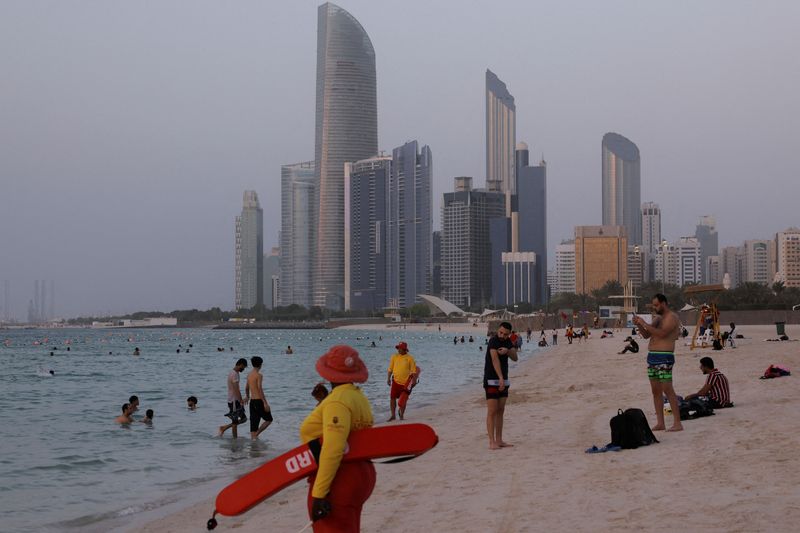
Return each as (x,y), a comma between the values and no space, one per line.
(345,409)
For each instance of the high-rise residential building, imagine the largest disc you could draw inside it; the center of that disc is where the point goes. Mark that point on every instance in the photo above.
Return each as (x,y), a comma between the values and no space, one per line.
(346,131)
(651,227)
(788,253)
(565,268)
(531,223)
(706,235)
(501,133)
(713,267)
(759,261)
(651,237)
(732,264)
(298,216)
(680,262)
(250,253)
(272,276)
(365,252)
(601,255)
(409,224)
(636,265)
(621,190)
(466,247)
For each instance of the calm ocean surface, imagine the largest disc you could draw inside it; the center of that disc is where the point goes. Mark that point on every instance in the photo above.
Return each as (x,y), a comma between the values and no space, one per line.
(65,466)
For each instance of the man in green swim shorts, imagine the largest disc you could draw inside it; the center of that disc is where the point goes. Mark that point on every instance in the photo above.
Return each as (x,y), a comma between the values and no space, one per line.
(662,332)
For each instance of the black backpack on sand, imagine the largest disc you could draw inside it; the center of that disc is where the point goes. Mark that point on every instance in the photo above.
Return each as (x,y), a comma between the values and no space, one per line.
(629,429)
(695,408)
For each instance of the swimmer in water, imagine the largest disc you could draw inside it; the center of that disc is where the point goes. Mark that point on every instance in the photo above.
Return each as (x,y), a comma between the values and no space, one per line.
(125,418)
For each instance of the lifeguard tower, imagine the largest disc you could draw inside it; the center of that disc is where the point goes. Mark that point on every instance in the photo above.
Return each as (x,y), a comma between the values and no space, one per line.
(707,315)
(630,303)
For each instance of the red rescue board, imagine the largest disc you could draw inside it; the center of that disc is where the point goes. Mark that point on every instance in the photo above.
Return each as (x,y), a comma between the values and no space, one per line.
(277,474)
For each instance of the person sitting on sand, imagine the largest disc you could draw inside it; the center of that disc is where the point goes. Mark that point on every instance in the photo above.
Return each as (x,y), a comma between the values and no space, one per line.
(716,387)
(126,416)
(338,490)
(191,403)
(632,346)
(148,417)
(662,332)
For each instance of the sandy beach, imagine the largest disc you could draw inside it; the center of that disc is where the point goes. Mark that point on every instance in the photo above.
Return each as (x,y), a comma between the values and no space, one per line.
(735,471)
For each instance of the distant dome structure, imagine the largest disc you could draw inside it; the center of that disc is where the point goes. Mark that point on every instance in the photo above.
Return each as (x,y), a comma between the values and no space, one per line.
(522,146)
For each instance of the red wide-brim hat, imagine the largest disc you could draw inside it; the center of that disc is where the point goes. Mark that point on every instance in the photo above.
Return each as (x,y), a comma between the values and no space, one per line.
(341,364)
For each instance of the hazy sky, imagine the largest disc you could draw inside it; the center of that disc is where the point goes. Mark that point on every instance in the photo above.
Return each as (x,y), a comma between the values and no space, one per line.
(129,130)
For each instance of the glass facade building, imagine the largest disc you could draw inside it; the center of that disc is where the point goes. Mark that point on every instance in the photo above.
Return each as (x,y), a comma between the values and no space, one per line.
(346,131)
(249,281)
(298,216)
(501,135)
(622,194)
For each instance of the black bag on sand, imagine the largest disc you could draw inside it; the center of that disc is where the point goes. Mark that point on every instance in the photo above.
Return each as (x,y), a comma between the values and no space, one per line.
(629,429)
(695,408)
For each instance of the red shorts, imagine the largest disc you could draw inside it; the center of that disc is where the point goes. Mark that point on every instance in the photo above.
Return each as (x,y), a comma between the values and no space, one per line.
(351,487)
(397,390)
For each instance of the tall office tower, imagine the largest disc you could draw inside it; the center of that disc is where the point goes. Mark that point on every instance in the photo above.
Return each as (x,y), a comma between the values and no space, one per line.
(759,261)
(565,267)
(531,224)
(732,264)
(622,196)
(706,234)
(713,269)
(298,216)
(636,265)
(272,278)
(346,131)
(501,135)
(601,255)
(409,220)
(366,185)
(250,253)
(436,282)
(466,250)
(788,248)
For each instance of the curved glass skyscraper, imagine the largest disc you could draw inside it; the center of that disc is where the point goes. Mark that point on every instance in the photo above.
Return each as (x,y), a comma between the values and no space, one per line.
(622,190)
(346,131)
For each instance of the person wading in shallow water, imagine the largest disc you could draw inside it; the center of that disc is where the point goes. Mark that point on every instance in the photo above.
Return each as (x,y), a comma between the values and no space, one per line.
(662,333)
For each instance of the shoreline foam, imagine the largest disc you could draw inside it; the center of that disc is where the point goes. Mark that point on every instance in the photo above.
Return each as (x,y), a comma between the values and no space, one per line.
(735,471)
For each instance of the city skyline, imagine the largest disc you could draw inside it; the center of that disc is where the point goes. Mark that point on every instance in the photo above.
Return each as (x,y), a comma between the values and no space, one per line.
(90,133)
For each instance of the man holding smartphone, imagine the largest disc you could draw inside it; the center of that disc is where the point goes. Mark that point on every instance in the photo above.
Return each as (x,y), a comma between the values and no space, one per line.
(496,383)
(662,333)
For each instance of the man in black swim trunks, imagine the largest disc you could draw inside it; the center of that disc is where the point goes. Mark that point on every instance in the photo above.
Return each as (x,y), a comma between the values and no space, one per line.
(259,408)
(495,383)
(235,401)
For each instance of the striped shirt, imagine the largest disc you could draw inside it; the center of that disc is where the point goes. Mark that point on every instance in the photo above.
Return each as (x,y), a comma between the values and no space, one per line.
(719,390)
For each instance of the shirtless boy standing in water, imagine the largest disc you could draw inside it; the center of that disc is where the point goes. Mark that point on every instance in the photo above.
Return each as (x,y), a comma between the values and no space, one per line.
(661,358)
(259,408)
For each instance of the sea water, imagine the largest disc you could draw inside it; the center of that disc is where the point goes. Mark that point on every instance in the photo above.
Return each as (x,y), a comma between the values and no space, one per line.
(65,465)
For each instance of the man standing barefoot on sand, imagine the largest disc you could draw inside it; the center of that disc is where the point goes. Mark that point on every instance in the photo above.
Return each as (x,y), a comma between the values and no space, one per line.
(259,407)
(496,384)
(662,333)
